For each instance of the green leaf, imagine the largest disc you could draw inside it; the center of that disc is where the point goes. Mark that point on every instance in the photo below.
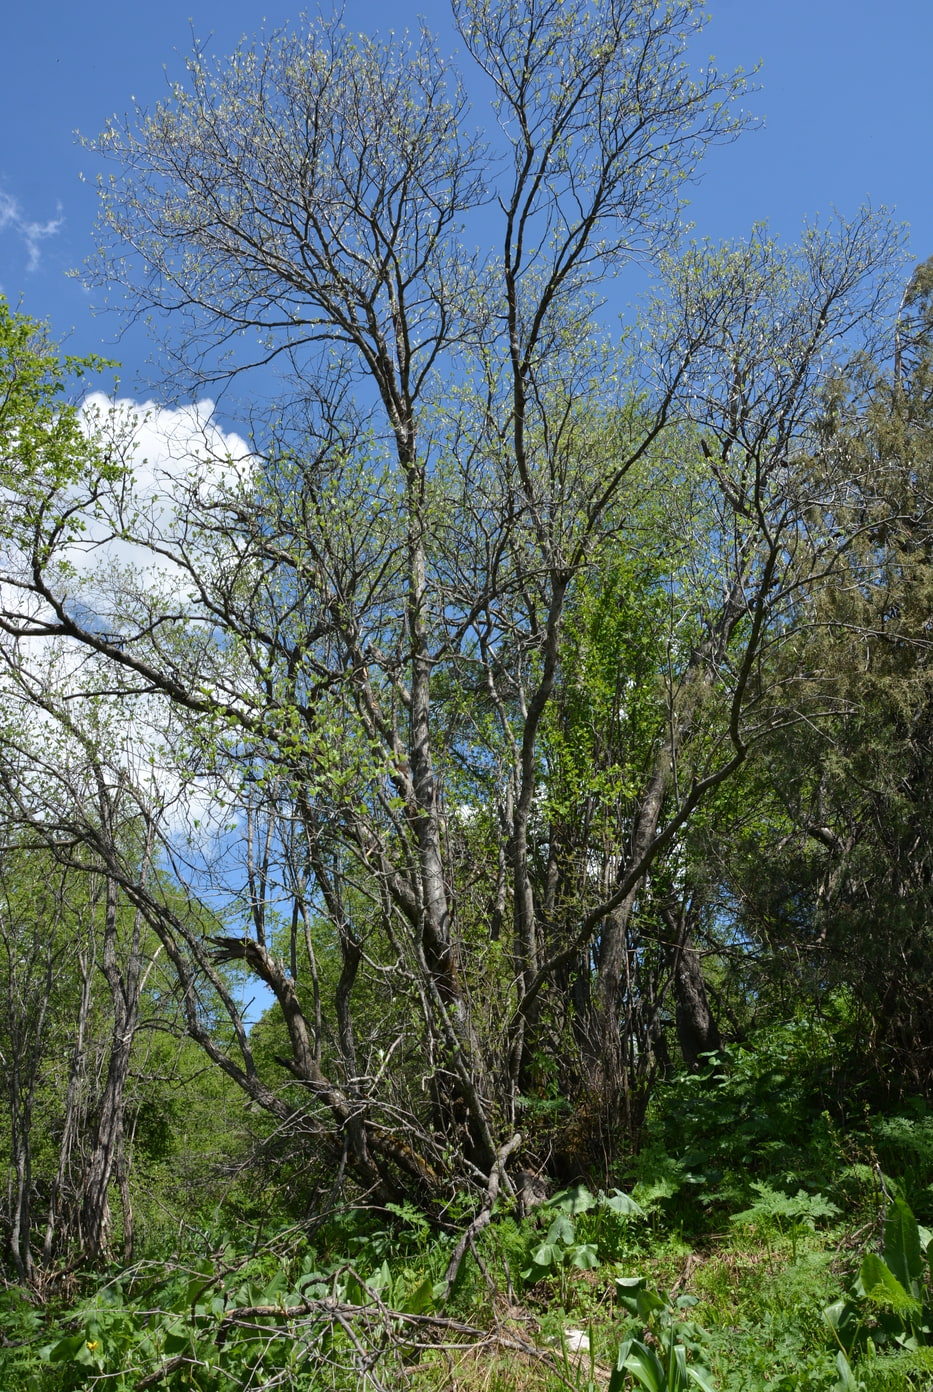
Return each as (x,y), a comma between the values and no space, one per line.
(902,1244)
(701,1376)
(576,1199)
(198,1283)
(584,1257)
(847,1382)
(561,1230)
(648,1303)
(548,1254)
(421,1299)
(622,1204)
(843,1319)
(272,1292)
(881,1286)
(617,1378)
(66,1350)
(644,1365)
(380,1280)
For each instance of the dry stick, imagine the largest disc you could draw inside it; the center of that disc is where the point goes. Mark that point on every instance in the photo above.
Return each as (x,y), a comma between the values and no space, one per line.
(482,1267)
(346,1315)
(181,1360)
(367,1361)
(484,1217)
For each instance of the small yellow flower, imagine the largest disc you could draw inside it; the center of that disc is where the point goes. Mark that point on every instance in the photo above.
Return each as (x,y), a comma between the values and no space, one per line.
(92,1344)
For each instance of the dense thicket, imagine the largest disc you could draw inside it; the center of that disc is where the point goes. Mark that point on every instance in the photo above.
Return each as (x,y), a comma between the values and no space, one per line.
(833,864)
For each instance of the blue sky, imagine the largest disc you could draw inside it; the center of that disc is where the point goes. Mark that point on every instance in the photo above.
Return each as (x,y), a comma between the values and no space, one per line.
(845,92)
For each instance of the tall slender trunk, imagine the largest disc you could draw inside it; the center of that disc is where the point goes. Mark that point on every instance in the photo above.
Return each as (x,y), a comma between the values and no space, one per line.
(26,1043)
(76,1074)
(107,1156)
(21,1159)
(608,1050)
(697,1031)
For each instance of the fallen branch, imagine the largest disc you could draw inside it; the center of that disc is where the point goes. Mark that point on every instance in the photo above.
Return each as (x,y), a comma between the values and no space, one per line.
(484,1217)
(374,1330)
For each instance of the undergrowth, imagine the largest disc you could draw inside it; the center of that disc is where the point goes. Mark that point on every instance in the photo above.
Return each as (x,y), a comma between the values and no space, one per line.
(760,1242)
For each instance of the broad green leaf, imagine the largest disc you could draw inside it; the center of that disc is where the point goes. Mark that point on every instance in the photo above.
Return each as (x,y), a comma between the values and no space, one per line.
(844,1320)
(380,1280)
(902,1244)
(584,1257)
(847,1382)
(548,1254)
(617,1377)
(198,1283)
(421,1299)
(576,1199)
(701,1376)
(561,1230)
(645,1366)
(272,1292)
(881,1286)
(649,1302)
(622,1204)
(66,1349)
(835,1314)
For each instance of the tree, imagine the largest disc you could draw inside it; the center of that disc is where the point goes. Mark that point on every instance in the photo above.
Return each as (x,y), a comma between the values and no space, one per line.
(36,950)
(87,1000)
(836,872)
(369,621)
(66,1051)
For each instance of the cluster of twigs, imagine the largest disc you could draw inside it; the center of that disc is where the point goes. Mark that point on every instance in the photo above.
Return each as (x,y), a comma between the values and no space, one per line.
(376,1337)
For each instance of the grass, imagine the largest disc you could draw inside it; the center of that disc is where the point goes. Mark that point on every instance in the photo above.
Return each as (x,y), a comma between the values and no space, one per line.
(739,1260)
(750,1312)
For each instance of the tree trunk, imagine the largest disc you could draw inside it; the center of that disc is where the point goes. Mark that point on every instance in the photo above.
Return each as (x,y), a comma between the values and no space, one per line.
(697,1031)
(108,1149)
(608,1050)
(76,1075)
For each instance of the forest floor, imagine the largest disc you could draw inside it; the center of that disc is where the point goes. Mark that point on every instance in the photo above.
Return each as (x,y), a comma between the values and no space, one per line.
(575,1296)
(757,1243)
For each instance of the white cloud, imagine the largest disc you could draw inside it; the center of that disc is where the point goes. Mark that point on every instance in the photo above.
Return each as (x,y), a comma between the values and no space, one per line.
(63,695)
(181,443)
(180,459)
(13,219)
(139,544)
